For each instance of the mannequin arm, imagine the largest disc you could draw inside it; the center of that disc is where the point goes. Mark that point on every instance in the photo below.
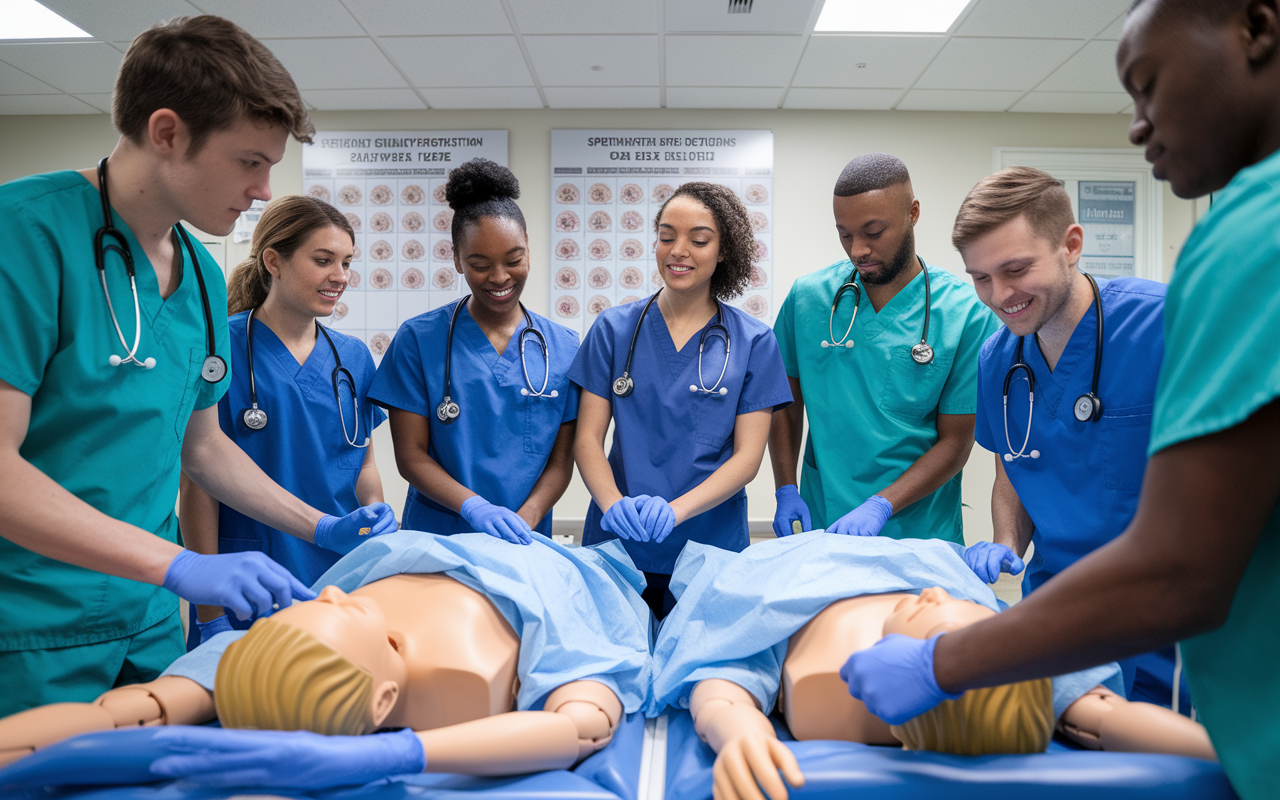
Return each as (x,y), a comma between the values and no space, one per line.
(1102,720)
(165,701)
(594,709)
(748,753)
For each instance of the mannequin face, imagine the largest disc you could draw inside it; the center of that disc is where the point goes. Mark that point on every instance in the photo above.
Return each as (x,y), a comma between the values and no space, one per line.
(933,612)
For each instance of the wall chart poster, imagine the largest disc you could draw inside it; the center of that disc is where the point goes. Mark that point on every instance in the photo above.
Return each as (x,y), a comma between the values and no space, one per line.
(390,186)
(606,187)
(1107,216)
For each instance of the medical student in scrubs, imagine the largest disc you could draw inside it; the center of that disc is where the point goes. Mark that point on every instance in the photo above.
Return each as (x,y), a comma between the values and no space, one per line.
(482,413)
(105,399)
(1201,560)
(690,384)
(1071,484)
(300,409)
(883,356)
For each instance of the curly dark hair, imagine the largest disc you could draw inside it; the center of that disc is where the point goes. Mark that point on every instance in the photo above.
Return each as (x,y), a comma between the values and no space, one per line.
(737,239)
(478,189)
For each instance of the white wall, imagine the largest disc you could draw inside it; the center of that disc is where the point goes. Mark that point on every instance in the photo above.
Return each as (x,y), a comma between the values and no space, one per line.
(946,153)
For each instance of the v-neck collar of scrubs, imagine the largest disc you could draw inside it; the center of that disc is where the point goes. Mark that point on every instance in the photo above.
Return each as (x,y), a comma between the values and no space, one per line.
(677,360)
(500,364)
(156,311)
(1051,385)
(306,374)
(876,322)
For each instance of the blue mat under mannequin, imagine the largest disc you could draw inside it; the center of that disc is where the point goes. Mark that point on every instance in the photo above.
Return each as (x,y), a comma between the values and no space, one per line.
(123,756)
(838,769)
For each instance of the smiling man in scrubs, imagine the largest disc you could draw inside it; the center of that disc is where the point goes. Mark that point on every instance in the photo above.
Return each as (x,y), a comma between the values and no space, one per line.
(91,447)
(888,435)
(1201,560)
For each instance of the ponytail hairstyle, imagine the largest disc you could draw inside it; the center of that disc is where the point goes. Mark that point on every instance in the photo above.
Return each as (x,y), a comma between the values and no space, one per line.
(283,227)
(479,189)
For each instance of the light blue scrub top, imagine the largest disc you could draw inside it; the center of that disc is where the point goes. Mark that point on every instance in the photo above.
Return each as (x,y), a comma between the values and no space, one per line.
(1222,326)
(112,436)
(668,440)
(499,445)
(302,447)
(873,411)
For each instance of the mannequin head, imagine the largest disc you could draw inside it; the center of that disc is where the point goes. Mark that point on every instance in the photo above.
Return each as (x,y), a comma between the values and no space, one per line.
(1015,718)
(328,666)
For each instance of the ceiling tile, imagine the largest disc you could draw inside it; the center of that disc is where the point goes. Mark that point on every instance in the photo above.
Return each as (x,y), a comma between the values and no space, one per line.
(353,63)
(102,102)
(1047,19)
(586,16)
(1093,69)
(933,100)
(43,104)
(722,97)
(766,16)
(851,99)
(731,60)
(568,60)
(15,81)
(119,22)
(888,61)
(75,67)
(1114,29)
(601,97)
(501,97)
(1073,102)
(460,60)
(994,64)
(287,19)
(362,99)
(430,17)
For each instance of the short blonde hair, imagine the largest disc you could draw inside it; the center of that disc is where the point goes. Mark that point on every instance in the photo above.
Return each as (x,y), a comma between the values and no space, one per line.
(1008,194)
(278,677)
(1014,718)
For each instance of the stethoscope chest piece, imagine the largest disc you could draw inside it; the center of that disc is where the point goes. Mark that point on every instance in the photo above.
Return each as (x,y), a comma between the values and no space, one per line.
(255,419)
(1088,407)
(214,369)
(447,411)
(624,386)
(921,353)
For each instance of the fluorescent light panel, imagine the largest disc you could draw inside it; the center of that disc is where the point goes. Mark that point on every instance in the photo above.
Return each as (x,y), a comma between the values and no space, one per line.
(27,19)
(889,16)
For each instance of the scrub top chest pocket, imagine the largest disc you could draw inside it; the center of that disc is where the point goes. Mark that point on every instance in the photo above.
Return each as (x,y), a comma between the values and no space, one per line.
(912,390)
(1125,433)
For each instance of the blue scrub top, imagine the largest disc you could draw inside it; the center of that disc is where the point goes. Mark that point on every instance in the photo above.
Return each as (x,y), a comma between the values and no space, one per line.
(667,440)
(302,447)
(499,445)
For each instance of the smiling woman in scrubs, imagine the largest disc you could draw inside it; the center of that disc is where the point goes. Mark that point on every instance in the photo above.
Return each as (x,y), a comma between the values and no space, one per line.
(1201,560)
(311,442)
(502,461)
(705,380)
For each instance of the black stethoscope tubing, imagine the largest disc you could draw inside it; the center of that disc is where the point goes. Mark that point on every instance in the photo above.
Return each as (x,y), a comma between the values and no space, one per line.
(624,385)
(921,352)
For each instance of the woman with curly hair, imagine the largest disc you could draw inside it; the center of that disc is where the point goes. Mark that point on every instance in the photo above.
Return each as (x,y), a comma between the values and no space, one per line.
(691,385)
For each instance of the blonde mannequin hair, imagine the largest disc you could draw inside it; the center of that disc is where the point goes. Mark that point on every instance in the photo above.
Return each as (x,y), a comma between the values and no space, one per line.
(1014,718)
(278,677)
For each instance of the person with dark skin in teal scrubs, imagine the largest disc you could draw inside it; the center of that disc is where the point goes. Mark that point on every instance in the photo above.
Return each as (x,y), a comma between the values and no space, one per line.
(1200,561)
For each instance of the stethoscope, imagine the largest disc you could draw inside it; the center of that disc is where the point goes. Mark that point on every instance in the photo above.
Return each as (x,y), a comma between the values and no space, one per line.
(214,368)
(625,385)
(255,418)
(921,352)
(448,410)
(1088,406)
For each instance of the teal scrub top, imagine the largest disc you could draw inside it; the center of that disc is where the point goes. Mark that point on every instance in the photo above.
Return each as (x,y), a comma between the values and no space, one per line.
(872,409)
(1222,323)
(112,436)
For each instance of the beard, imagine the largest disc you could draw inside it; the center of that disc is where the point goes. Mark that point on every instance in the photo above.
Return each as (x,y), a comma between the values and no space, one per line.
(901,259)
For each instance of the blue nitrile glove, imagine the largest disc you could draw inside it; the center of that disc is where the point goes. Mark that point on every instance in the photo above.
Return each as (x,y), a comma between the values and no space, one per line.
(213,627)
(867,519)
(623,519)
(499,522)
(344,534)
(294,759)
(250,584)
(790,509)
(894,677)
(988,560)
(657,518)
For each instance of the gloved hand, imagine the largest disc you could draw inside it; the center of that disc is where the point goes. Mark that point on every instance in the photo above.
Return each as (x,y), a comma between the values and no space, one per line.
(867,519)
(894,677)
(344,534)
(790,509)
(988,560)
(657,518)
(499,522)
(296,759)
(247,583)
(623,519)
(213,627)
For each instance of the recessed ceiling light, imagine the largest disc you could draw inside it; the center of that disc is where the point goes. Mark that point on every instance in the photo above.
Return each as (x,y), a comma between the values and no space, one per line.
(898,16)
(597,68)
(27,19)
